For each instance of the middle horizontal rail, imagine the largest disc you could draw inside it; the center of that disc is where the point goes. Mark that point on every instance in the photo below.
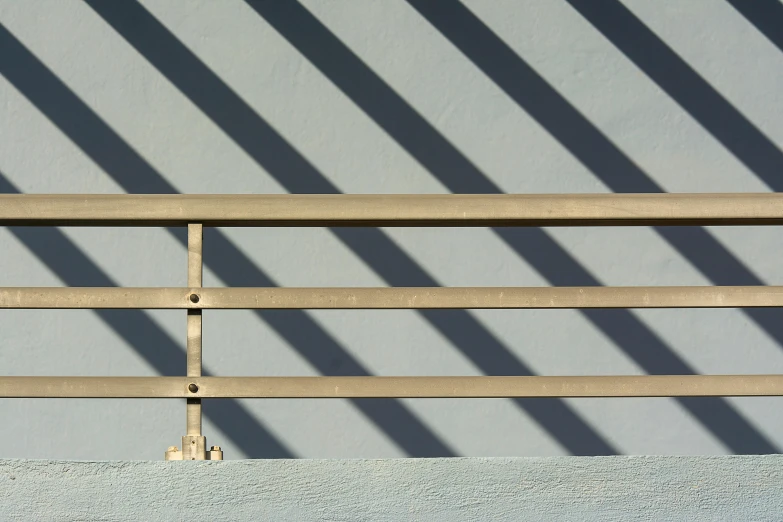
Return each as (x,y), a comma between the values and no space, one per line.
(391,387)
(394,298)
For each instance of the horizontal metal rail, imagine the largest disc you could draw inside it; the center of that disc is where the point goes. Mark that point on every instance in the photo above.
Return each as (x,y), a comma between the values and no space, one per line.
(392,387)
(395,297)
(392,210)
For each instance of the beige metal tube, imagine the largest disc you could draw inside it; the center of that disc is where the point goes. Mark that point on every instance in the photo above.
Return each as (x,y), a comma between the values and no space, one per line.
(393,210)
(195,252)
(376,387)
(393,298)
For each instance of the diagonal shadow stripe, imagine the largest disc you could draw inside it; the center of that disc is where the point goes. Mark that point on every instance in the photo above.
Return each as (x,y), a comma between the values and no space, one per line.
(241,123)
(686,87)
(444,161)
(104,146)
(766,15)
(74,268)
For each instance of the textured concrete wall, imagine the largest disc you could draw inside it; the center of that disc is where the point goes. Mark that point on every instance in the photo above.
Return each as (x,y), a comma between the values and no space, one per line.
(392,97)
(448,490)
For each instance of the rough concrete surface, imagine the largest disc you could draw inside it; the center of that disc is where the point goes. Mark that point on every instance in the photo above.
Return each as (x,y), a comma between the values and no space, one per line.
(558,488)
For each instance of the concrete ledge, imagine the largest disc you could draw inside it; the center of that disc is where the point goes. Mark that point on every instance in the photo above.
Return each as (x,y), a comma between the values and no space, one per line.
(560,488)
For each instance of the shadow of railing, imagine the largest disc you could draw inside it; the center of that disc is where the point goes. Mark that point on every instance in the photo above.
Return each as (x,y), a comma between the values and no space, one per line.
(685,86)
(134,174)
(446,163)
(74,268)
(289,168)
(765,15)
(392,113)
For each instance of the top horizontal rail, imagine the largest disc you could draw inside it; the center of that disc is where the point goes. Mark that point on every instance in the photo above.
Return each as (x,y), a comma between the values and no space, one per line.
(392,210)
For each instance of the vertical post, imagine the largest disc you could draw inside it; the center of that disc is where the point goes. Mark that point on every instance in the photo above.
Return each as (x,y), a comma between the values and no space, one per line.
(195,249)
(194,444)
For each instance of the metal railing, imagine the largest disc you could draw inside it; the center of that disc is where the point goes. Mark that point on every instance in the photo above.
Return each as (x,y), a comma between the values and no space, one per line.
(196,212)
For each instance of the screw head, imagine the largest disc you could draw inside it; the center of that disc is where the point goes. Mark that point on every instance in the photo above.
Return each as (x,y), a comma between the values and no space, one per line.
(194,298)
(193,387)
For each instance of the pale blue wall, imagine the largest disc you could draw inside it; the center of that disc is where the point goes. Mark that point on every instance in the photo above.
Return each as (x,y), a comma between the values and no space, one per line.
(377,97)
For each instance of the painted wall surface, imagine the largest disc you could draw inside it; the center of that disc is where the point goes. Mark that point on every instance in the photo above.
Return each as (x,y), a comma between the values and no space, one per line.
(392,96)
(565,488)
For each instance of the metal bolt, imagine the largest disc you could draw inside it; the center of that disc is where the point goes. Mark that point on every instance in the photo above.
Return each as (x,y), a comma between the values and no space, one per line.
(193,387)
(194,298)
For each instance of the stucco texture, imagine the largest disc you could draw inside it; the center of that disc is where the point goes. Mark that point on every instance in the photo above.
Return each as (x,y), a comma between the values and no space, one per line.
(561,488)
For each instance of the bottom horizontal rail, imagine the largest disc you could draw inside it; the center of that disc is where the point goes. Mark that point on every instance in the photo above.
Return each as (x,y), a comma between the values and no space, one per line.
(392,387)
